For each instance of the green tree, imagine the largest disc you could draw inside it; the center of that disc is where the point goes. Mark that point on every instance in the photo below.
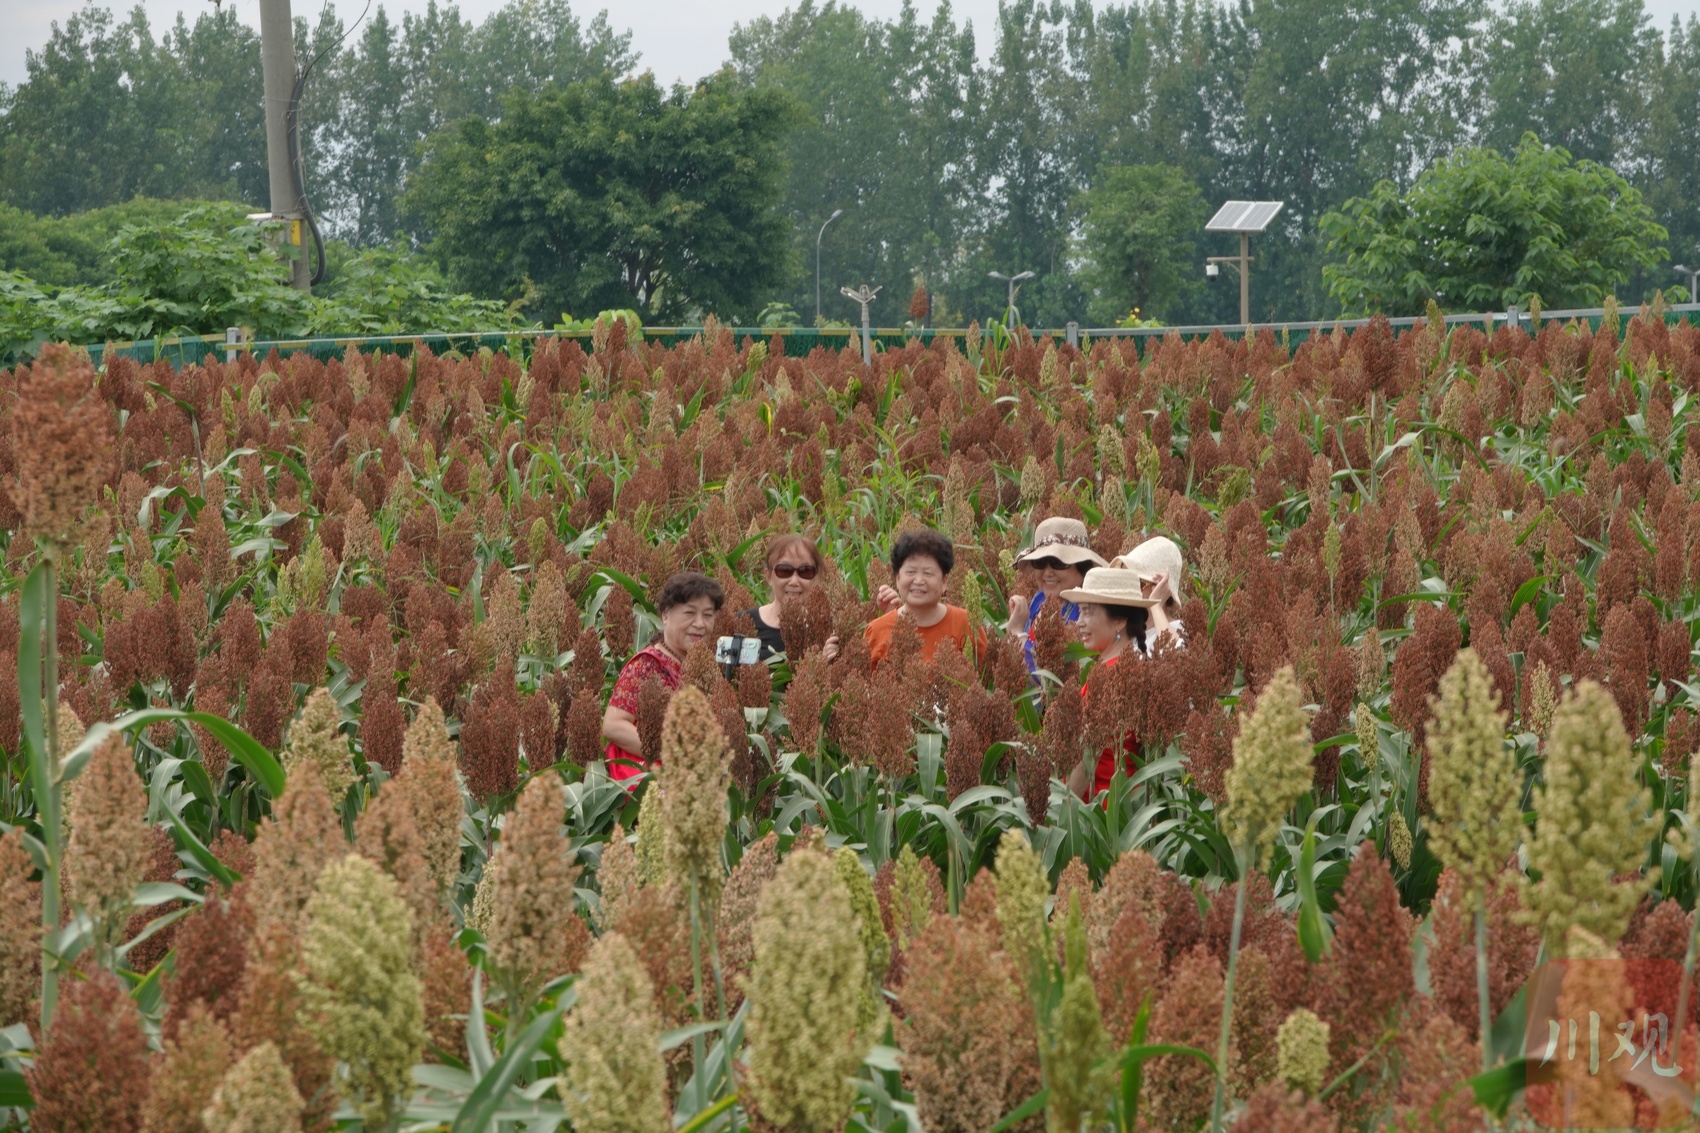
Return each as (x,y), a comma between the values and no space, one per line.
(601,194)
(1670,162)
(1576,73)
(107,113)
(1028,171)
(886,134)
(1317,101)
(1479,231)
(1140,241)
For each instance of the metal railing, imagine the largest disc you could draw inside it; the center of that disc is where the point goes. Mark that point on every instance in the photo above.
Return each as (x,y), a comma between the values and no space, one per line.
(193,349)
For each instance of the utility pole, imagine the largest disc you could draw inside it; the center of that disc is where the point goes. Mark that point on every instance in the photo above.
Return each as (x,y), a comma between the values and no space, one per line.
(277,63)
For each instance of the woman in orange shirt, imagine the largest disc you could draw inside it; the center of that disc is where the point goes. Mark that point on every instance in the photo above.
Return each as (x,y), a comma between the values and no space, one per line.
(920,563)
(1113,619)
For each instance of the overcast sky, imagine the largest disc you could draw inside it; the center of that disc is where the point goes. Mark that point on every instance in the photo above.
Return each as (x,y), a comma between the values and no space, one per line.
(678,39)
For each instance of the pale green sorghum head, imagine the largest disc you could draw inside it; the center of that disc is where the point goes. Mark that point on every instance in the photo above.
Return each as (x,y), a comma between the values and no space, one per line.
(1474,787)
(1032,483)
(1593,823)
(695,773)
(1022,889)
(911,900)
(805,993)
(361,1000)
(1272,764)
(1399,841)
(1301,1051)
(257,1095)
(614,1079)
(866,907)
(651,844)
(315,738)
(1075,1044)
(1363,723)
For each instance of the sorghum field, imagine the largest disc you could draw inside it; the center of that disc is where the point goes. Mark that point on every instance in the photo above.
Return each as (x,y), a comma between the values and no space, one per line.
(315,830)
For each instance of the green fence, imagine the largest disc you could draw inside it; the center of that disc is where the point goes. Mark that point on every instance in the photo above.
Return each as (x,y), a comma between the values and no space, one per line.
(792,340)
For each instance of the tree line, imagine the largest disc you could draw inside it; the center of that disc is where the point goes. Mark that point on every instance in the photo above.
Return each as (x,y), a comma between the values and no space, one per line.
(1087,146)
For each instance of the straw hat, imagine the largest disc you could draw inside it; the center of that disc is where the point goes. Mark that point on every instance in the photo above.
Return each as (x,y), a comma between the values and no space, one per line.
(1157,555)
(1062,539)
(1110,586)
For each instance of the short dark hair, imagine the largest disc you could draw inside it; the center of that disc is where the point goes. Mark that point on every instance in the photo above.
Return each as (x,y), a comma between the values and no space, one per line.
(687,586)
(780,544)
(1136,620)
(923,542)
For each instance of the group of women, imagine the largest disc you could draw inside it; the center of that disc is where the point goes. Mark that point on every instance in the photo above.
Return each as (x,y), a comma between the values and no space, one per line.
(1119,608)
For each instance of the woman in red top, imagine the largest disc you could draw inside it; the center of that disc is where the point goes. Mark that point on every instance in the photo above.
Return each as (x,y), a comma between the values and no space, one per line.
(688,604)
(1113,606)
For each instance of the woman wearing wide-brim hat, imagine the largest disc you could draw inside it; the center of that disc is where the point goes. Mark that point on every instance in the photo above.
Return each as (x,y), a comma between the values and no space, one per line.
(1159,564)
(1114,612)
(1061,554)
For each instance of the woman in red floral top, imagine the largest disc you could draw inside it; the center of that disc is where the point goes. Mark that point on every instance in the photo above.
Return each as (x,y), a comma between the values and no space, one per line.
(688,604)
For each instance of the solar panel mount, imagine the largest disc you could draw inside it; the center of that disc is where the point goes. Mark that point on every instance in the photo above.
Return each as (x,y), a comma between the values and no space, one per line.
(1244,216)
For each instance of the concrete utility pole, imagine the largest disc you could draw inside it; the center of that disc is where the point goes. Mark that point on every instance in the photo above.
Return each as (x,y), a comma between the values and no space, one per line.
(277,63)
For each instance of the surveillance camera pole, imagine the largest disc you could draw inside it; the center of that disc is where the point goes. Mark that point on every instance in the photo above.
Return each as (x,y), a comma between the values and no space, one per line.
(863,295)
(1243,263)
(1014,282)
(1693,275)
(277,66)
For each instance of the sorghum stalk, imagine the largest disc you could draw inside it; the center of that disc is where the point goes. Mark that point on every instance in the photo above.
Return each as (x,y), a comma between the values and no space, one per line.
(1272,768)
(699,1047)
(1483,1004)
(1248,857)
(47,788)
(1685,848)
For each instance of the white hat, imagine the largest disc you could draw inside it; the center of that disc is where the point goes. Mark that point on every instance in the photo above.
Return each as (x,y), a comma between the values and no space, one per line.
(1110,586)
(1157,555)
(1063,539)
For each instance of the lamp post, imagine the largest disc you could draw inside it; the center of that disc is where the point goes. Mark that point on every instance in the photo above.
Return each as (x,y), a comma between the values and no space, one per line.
(1014,282)
(836,214)
(1693,275)
(863,295)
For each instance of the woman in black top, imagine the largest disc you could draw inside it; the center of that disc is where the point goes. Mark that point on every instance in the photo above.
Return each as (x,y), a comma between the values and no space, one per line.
(793,566)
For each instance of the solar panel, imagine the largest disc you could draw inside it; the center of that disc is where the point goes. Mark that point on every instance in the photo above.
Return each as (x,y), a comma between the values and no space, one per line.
(1244,216)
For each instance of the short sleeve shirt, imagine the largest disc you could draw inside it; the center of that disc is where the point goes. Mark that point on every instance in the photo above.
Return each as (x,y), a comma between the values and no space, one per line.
(651,661)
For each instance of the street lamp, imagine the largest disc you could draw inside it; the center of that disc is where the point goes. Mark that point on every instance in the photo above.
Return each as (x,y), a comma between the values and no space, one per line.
(1014,282)
(1693,275)
(818,235)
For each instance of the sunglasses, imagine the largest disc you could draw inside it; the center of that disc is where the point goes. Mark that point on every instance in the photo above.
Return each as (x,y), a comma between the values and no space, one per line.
(1047,564)
(786,570)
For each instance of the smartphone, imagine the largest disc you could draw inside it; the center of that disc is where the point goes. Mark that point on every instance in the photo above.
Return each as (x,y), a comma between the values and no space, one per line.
(737,650)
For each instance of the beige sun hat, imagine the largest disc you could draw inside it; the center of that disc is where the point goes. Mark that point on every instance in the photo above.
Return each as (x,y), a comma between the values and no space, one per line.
(1111,586)
(1063,539)
(1157,555)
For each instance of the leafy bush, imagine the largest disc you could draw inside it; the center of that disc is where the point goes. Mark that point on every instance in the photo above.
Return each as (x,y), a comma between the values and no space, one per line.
(210,267)
(1480,232)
